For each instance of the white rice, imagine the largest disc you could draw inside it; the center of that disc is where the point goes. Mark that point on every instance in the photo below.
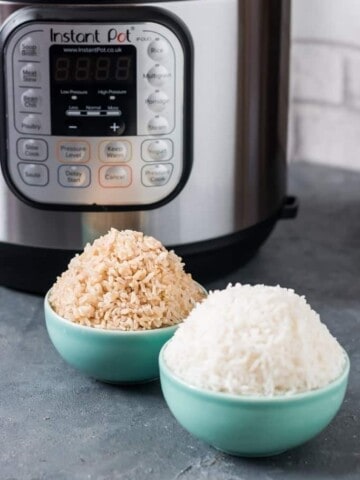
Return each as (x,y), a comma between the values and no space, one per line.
(255,340)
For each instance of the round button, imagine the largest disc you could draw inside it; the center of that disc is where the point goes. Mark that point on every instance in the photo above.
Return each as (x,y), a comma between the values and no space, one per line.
(116,176)
(117,127)
(74,176)
(158,75)
(158,125)
(158,150)
(29,73)
(34,174)
(158,49)
(29,48)
(31,149)
(73,152)
(156,175)
(31,100)
(30,123)
(116,152)
(157,101)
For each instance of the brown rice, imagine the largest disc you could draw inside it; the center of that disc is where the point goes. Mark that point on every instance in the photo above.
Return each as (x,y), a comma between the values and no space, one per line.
(125,280)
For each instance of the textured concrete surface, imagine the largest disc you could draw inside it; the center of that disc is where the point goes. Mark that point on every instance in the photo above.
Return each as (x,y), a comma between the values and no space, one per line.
(57,424)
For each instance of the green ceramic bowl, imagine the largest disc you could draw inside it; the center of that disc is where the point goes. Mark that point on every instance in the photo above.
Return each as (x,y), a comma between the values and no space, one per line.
(108,355)
(251,426)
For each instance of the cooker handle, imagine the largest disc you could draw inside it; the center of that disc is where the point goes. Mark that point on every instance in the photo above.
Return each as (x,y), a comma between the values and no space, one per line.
(290,207)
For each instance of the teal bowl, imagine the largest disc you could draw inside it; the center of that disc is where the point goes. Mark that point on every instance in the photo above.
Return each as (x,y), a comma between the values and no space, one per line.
(252,426)
(111,356)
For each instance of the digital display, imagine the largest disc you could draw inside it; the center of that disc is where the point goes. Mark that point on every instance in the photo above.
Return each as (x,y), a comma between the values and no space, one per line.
(93,90)
(111,66)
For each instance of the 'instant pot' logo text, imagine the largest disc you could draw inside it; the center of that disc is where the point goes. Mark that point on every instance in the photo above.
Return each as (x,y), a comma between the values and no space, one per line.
(72,36)
(75,37)
(120,37)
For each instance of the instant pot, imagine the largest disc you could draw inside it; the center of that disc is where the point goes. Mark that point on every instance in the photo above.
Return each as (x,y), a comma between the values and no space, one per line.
(168,117)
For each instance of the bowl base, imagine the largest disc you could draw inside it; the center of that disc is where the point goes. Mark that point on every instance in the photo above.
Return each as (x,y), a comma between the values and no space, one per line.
(249,455)
(135,382)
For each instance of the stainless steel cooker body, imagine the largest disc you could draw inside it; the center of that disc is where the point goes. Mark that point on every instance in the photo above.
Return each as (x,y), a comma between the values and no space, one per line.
(234,114)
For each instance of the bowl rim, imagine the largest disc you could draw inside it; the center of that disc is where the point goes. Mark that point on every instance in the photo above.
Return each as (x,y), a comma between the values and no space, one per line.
(247,399)
(108,331)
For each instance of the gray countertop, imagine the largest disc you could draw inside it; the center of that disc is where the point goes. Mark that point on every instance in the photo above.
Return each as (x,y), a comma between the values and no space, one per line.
(56,423)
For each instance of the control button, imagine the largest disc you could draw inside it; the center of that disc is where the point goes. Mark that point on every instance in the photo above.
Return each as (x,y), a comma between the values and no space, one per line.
(116,151)
(74,176)
(31,100)
(158,75)
(30,124)
(34,174)
(157,101)
(158,125)
(157,150)
(116,176)
(117,127)
(31,149)
(73,128)
(29,48)
(73,152)
(158,49)
(29,73)
(156,175)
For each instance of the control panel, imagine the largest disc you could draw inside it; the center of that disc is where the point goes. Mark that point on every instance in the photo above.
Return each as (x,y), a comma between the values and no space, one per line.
(95,113)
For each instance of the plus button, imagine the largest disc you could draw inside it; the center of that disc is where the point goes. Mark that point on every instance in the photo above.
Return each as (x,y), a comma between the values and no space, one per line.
(114,127)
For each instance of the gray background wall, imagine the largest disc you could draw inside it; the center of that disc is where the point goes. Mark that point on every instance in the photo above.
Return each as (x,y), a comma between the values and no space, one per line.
(325,82)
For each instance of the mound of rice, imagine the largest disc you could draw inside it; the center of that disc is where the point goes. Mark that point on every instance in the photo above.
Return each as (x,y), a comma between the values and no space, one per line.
(254,340)
(127,281)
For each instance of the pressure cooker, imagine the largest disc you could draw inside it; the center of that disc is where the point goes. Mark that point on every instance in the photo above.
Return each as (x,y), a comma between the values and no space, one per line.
(168,117)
